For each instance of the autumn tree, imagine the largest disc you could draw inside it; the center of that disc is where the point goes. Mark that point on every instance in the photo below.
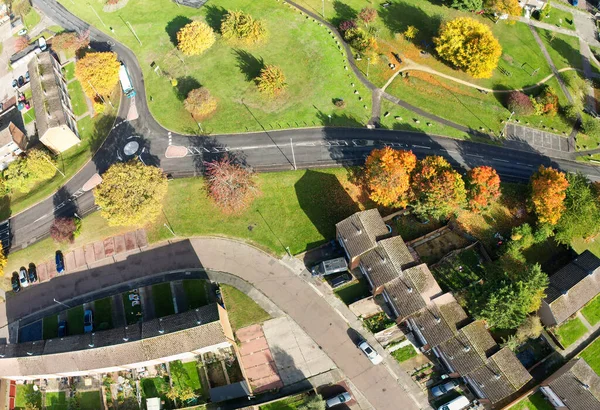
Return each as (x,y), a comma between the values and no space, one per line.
(581,217)
(71,41)
(548,192)
(195,38)
(411,32)
(200,103)
(36,166)
(519,103)
(467,5)
(468,45)
(546,102)
(483,187)
(237,25)
(131,193)
(347,25)
(361,40)
(230,185)
(63,230)
(98,73)
(21,43)
(510,7)
(387,176)
(437,189)
(367,15)
(271,80)
(21,7)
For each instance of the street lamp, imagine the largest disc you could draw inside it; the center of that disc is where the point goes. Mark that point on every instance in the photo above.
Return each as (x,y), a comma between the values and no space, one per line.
(506,123)
(60,303)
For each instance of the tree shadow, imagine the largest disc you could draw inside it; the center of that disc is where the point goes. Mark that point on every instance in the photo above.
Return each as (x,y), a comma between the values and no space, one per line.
(248,64)
(399,15)
(174,26)
(214,16)
(64,204)
(185,85)
(338,120)
(343,12)
(101,129)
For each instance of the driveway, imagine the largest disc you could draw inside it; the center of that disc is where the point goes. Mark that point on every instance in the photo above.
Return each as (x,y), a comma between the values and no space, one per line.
(268,275)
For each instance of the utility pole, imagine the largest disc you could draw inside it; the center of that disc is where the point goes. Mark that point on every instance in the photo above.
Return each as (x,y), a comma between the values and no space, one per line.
(133,31)
(169,228)
(97,15)
(55,167)
(293,155)
(60,303)
(506,123)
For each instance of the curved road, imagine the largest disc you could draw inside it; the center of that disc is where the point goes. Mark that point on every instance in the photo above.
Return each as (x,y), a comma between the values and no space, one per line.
(265,151)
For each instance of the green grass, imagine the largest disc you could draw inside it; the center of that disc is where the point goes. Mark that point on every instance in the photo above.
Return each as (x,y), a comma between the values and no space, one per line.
(352,292)
(560,18)
(133,314)
(75,321)
(25,395)
(163,299)
(196,293)
(591,311)
(289,403)
(50,327)
(56,400)
(69,71)
(303,49)
(404,353)
(29,116)
(31,19)
(242,310)
(570,331)
(155,387)
(563,49)
(186,375)
(103,314)
(592,159)
(459,272)
(77,98)
(536,401)
(591,355)
(90,400)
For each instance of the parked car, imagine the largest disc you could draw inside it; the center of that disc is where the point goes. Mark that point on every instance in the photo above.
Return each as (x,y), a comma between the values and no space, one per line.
(444,388)
(15,83)
(88,321)
(22,32)
(32,273)
(339,399)
(575,3)
(373,356)
(329,267)
(27,76)
(62,328)
(23,278)
(15,282)
(60,262)
(21,81)
(458,403)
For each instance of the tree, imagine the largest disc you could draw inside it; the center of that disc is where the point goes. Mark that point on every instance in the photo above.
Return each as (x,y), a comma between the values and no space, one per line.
(200,103)
(230,185)
(21,43)
(347,25)
(315,402)
(546,102)
(531,328)
(71,41)
(181,393)
(411,32)
(40,164)
(360,40)
(590,126)
(510,7)
(437,189)
(387,176)
(548,192)
(63,230)
(21,7)
(3,259)
(195,38)
(237,25)
(469,45)
(367,15)
(22,174)
(98,73)
(467,5)
(483,187)
(519,103)
(581,218)
(271,80)
(131,193)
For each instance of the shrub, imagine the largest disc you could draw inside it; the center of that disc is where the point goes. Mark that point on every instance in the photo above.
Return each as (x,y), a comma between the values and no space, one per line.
(195,38)
(519,103)
(63,230)
(237,25)
(360,40)
(570,112)
(411,32)
(367,15)
(591,126)
(200,103)
(99,107)
(546,103)
(347,25)
(271,80)
(340,103)
(529,329)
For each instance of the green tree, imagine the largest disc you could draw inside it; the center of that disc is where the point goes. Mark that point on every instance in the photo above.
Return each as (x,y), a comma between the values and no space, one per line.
(21,7)
(22,174)
(131,194)
(581,218)
(237,25)
(361,40)
(467,5)
(195,38)
(590,126)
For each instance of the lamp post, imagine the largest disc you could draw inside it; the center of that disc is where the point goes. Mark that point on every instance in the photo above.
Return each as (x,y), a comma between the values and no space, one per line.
(60,303)
(506,123)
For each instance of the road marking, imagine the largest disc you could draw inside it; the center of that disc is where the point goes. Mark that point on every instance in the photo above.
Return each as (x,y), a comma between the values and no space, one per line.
(501,160)
(452,151)
(342,316)
(315,289)
(473,155)
(40,218)
(421,146)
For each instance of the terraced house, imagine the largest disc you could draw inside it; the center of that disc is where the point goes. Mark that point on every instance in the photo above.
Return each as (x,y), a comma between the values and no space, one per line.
(575,386)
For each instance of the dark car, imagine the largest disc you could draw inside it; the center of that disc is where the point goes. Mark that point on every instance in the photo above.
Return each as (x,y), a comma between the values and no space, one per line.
(62,328)
(15,282)
(15,83)
(88,321)
(60,262)
(340,280)
(33,277)
(21,81)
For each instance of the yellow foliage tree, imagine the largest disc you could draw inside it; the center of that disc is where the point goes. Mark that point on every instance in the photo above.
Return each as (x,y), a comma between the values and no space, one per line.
(387,176)
(200,103)
(510,7)
(3,259)
(195,38)
(98,73)
(411,32)
(468,45)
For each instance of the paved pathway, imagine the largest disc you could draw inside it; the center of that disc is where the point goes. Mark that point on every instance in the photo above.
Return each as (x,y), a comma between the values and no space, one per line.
(546,26)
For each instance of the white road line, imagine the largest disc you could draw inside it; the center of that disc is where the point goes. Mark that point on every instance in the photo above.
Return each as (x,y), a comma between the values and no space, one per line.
(421,146)
(342,316)
(451,151)
(473,155)
(501,160)
(40,218)
(316,290)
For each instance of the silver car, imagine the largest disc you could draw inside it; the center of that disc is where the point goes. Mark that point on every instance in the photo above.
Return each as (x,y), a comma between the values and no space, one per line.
(23,278)
(339,399)
(444,388)
(373,356)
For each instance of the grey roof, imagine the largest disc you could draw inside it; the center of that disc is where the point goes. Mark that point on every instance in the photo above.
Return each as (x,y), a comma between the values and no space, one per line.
(385,262)
(229,392)
(470,348)
(138,343)
(573,286)
(578,386)
(441,320)
(359,232)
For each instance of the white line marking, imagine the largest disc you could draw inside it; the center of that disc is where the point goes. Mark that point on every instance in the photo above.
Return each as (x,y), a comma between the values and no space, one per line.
(342,316)
(501,160)
(315,289)
(421,146)
(473,155)
(451,151)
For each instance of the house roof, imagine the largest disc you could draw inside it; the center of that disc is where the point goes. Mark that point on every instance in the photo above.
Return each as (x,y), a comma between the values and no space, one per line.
(573,286)
(229,392)
(470,348)
(11,126)
(359,232)
(508,363)
(578,386)
(138,343)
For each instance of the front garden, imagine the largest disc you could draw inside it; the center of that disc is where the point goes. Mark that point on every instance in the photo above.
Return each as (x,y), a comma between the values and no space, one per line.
(570,331)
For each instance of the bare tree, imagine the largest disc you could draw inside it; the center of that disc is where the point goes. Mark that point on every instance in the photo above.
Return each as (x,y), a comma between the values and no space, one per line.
(230,185)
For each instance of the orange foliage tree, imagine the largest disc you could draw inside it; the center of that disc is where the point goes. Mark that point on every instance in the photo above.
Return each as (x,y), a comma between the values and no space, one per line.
(484,187)
(548,192)
(437,189)
(387,176)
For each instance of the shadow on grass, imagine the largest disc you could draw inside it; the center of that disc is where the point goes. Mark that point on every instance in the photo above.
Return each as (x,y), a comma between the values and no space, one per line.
(338,120)
(185,85)
(249,65)
(214,16)
(101,129)
(343,12)
(5,211)
(174,26)
(398,16)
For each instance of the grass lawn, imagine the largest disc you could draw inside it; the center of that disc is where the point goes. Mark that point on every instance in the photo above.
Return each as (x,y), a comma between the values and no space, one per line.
(196,292)
(536,401)
(289,403)
(186,375)
(459,272)
(50,327)
(25,395)
(591,355)
(404,353)
(31,19)
(563,49)
(592,159)
(303,49)
(90,400)
(69,71)
(56,400)
(560,18)
(77,98)
(75,321)
(103,314)
(353,291)
(155,387)
(570,331)
(242,310)
(591,311)
(133,314)
(163,299)
(29,116)
(580,245)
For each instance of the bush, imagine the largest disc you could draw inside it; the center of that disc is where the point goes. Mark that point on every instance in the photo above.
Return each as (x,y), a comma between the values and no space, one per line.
(340,103)
(531,328)
(378,322)
(237,25)
(546,103)
(570,112)
(200,103)
(99,107)
(367,15)
(63,230)
(591,126)
(347,25)
(195,38)
(519,103)
(271,80)
(360,40)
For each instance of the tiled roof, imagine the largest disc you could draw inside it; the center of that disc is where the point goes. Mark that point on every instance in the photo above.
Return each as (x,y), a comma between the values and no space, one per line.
(378,265)
(360,231)
(11,127)
(573,286)
(578,387)
(404,297)
(480,338)
(454,315)
(470,348)
(424,281)
(508,363)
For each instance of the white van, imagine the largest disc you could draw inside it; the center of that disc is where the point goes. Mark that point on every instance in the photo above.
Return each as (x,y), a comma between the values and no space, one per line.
(458,403)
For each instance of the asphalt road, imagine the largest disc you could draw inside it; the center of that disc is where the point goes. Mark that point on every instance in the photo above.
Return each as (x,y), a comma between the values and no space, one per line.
(264,151)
